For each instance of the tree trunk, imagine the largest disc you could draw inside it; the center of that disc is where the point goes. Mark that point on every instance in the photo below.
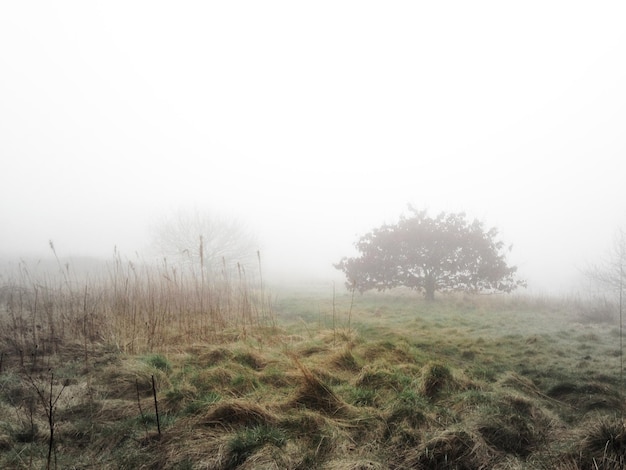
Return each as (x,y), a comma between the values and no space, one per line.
(429,294)
(429,288)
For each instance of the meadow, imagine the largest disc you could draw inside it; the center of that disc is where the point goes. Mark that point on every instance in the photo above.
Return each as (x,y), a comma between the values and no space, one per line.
(173,368)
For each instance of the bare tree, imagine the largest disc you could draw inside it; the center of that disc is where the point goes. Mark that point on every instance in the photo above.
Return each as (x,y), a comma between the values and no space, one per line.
(608,275)
(199,238)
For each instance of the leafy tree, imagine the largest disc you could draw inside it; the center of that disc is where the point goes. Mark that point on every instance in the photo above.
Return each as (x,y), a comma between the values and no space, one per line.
(445,253)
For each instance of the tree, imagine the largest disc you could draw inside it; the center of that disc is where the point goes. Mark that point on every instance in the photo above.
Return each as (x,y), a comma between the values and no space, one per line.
(609,273)
(200,239)
(445,253)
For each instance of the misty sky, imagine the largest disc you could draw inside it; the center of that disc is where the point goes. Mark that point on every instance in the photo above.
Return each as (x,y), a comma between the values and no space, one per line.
(314,122)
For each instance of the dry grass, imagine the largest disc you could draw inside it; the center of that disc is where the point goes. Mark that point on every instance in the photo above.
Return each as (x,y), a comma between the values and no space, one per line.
(453,450)
(437,379)
(603,444)
(464,383)
(238,413)
(134,306)
(316,395)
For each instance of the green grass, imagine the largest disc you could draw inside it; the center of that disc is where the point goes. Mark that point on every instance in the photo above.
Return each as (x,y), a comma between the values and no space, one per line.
(522,383)
(201,403)
(245,442)
(158,361)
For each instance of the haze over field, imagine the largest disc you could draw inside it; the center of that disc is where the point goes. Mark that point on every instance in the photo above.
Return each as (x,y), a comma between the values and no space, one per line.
(314,124)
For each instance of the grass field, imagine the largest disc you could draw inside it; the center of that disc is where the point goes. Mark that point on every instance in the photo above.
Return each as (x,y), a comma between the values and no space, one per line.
(186,375)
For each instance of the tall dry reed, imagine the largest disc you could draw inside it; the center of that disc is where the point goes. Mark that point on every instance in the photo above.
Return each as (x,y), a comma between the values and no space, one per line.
(135,306)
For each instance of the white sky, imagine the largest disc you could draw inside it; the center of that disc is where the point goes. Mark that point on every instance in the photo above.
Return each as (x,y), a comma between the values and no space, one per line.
(314,122)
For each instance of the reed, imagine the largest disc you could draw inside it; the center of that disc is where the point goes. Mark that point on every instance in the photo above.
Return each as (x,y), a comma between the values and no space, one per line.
(138,307)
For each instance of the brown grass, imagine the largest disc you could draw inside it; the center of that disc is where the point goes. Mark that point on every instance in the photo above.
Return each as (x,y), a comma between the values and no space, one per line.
(603,444)
(436,379)
(315,395)
(135,306)
(238,413)
(588,396)
(235,396)
(453,450)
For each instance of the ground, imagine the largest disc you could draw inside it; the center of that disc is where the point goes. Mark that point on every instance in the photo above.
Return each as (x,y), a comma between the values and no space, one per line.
(331,382)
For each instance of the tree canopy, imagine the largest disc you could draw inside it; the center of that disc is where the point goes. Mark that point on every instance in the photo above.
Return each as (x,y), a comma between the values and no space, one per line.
(431,254)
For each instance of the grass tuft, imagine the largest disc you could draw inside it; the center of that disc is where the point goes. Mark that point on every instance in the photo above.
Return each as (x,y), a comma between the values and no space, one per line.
(238,413)
(316,395)
(451,450)
(436,378)
(158,361)
(201,404)
(359,396)
(603,445)
(250,360)
(588,396)
(246,441)
(344,360)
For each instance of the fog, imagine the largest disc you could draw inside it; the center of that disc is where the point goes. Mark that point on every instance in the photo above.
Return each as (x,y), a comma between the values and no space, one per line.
(313,123)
